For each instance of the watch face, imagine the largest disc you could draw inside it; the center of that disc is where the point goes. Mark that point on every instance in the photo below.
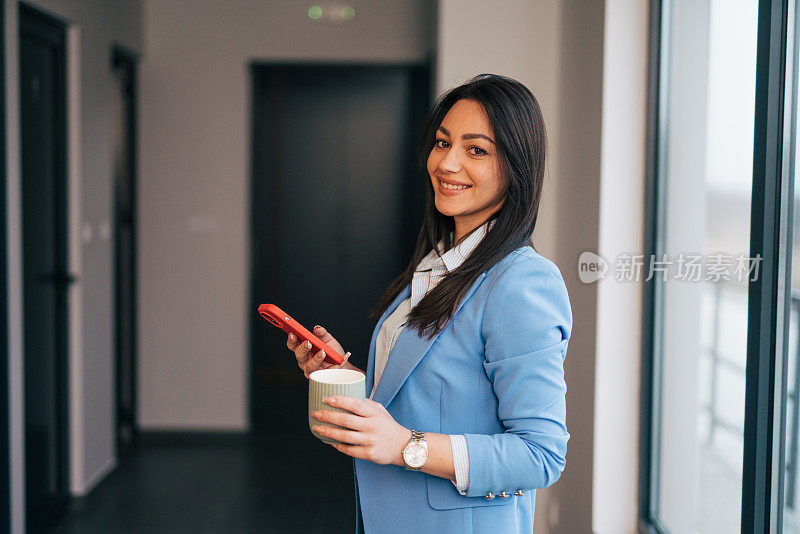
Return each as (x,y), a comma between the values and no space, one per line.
(415,455)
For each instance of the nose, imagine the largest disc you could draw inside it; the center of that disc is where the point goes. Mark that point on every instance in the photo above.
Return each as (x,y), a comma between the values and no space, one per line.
(450,162)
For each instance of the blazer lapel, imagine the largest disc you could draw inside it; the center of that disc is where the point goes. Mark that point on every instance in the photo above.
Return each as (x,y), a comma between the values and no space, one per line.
(408,351)
(370,378)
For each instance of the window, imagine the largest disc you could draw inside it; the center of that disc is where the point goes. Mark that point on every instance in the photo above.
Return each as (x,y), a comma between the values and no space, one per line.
(720,411)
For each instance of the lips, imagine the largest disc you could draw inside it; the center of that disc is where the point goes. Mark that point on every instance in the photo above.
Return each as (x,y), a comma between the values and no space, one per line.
(451,189)
(451,185)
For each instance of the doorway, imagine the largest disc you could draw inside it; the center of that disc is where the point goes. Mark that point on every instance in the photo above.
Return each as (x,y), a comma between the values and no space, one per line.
(123,145)
(46,280)
(337,201)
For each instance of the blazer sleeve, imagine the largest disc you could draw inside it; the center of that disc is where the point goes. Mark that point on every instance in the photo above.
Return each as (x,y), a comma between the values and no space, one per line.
(526,327)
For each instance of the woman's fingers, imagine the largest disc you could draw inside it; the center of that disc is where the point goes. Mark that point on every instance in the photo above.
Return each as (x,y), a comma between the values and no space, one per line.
(313,362)
(362,407)
(323,334)
(301,351)
(306,360)
(356,451)
(326,337)
(327,365)
(343,419)
(345,436)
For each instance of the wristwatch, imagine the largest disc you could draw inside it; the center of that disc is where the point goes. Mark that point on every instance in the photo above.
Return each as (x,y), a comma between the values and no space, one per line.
(415,453)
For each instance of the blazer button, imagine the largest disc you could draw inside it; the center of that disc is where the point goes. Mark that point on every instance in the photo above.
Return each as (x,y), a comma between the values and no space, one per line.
(489,496)
(519,493)
(503,494)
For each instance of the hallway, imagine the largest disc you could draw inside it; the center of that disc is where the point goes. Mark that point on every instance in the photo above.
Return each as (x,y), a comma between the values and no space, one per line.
(222,483)
(212,156)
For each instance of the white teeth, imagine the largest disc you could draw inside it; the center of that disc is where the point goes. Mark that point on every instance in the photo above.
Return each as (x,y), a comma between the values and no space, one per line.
(449,186)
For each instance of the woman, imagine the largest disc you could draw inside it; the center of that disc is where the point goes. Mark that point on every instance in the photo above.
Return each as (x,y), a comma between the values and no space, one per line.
(466,415)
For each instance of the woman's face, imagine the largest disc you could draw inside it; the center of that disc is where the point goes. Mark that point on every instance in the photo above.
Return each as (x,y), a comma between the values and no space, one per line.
(464,168)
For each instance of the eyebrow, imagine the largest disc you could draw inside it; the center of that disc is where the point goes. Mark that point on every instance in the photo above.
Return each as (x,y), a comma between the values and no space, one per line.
(468,136)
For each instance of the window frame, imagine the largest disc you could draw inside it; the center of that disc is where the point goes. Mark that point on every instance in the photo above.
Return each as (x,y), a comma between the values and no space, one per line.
(652,323)
(767,299)
(768,295)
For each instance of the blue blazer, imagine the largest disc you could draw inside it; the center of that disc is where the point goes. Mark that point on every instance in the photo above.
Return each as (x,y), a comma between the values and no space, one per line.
(496,375)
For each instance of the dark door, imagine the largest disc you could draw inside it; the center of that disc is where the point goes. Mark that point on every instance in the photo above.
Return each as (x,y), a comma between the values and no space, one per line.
(123,142)
(337,201)
(45,278)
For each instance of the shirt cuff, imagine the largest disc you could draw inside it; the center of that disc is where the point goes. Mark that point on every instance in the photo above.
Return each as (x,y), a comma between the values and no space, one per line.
(460,462)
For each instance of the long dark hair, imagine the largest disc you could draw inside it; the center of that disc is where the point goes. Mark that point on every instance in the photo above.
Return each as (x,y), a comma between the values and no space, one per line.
(521,144)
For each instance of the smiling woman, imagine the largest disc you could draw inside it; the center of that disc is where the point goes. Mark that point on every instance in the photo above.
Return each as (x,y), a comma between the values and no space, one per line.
(464,168)
(463,421)
(500,117)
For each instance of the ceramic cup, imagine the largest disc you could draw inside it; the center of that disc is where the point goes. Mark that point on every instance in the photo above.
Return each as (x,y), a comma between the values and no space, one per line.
(327,383)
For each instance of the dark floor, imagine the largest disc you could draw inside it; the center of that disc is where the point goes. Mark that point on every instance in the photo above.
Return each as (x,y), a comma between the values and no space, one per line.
(286,482)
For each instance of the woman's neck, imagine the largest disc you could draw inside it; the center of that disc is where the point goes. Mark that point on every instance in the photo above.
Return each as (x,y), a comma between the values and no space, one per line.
(464,224)
(464,227)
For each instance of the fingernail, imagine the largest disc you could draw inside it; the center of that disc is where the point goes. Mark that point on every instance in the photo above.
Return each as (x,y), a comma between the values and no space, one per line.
(316,413)
(291,337)
(308,344)
(317,326)
(329,400)
(321,354)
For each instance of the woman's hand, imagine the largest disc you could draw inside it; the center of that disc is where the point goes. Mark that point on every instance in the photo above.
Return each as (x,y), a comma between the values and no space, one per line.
(374,434)
(309,362)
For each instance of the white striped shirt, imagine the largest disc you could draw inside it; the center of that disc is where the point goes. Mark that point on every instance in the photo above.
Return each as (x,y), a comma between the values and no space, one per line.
(428,273)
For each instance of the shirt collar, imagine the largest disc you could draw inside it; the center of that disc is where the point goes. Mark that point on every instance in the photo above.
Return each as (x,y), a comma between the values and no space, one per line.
(456,255)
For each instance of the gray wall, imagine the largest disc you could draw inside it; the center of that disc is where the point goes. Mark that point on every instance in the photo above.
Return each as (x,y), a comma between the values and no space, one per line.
(194,183)
(577,221)
(93,27)
(516,39)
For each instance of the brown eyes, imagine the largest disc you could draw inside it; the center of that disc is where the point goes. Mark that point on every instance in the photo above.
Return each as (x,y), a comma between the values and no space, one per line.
(478,150)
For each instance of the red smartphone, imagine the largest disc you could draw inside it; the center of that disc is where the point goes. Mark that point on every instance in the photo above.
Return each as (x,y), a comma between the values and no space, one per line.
(282,320)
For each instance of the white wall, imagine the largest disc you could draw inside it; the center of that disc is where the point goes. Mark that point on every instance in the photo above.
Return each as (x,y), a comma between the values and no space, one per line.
(194,183)
(92,28)
(619,304)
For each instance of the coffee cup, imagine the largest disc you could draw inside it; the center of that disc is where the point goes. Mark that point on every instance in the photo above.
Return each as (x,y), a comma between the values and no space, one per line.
(325,383)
